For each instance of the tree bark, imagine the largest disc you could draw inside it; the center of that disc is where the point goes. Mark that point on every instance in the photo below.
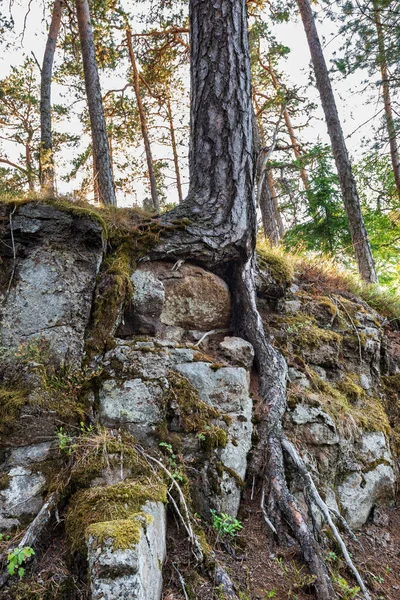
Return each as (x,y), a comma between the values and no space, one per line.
(101,149)
(221,230)
(46,138)
(387,101)
(143,124)
(174,149)
(362,249)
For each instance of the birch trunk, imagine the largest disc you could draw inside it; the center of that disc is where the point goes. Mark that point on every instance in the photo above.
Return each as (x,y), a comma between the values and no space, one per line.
(101,149)
(362,249)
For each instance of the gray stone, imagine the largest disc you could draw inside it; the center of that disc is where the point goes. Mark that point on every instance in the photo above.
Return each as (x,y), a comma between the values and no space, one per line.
(318,427)
(52,291)
(297,377)
(26,455)
(238,351)
(373,447)
(228,390)
(134,573)
(292,307)
(147,303)
(365,382)
(132,402)
(23,496)
(360,492)
(194,298)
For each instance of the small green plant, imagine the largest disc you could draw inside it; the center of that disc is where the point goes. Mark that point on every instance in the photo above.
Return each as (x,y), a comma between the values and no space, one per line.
(346,592)
(65,441)
(16,558)
(172,462)
(225,524)
(271,594)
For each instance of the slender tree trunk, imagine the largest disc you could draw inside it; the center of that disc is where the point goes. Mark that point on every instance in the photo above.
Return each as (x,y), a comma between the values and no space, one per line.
(274,197)
(46,138)
(28,161)
(96,195)
(174,149)
(267,204)
(390,125)
(101,149)
(288,121)
(268,213)
(143,124)
(351,200)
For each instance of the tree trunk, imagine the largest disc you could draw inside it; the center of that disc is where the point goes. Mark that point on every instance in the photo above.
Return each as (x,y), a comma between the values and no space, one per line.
(274,197)
(143,124)
(46,139)
(101,149)
(362,249)
(221,230)
(174,149)
(390,125)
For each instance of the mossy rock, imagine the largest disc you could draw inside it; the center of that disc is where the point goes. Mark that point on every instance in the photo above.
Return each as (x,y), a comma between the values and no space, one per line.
(120,533)
(275,262)
(121,501)
(11,403)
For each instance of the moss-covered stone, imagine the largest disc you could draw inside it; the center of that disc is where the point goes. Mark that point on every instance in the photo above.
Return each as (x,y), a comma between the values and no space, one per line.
(4,481)
(117,502)
(195,415)
(121,533)
(276,262)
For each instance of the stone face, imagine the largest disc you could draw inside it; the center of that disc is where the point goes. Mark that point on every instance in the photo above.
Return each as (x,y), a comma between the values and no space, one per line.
(226,389)
(133,403)
(23,497)
(360,492)
(238,351)
(134,573)
(58,257)
(170,300)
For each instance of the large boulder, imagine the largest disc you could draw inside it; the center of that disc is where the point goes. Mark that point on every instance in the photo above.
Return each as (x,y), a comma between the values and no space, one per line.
(133,571)
(58,255)
(167,299)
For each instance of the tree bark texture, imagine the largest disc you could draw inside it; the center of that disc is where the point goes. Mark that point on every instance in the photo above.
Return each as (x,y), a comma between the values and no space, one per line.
(47,182)
(362,249)
(387,101)
(101,149)
(221,228)
(143,124)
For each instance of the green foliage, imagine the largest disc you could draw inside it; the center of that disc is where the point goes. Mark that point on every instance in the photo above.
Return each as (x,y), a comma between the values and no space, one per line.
(225,524)
(16,559)
(176,474)
(325,229)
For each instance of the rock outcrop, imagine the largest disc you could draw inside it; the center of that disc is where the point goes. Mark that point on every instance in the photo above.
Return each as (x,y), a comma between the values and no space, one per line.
(97,420)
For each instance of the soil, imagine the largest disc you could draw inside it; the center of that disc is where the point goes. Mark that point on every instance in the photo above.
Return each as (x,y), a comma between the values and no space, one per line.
(260,570)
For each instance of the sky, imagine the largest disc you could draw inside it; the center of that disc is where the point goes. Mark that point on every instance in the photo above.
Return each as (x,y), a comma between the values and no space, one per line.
(352,108)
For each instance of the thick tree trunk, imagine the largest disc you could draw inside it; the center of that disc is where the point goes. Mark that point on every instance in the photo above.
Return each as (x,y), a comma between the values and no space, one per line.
(390,124)
(220,233)
(174,149)
(46,138)
(268,213)
(143,124)
(101,149)
(362,249)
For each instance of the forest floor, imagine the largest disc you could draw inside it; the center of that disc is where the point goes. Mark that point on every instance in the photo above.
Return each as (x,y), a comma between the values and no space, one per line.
(261,572)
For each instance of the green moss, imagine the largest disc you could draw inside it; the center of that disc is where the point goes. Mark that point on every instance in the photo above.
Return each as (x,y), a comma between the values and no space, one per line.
(276,262)
(303,331)
(120,501)
(121,533)
(350,389)
(11,402)
(195,415)
(4,481)
(368,413)
(221,468)
(99,451)
(392,382)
